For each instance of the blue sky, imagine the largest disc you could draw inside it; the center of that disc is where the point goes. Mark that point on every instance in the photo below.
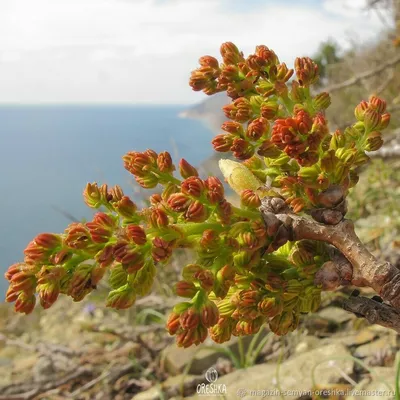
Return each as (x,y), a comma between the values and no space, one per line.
(142,51)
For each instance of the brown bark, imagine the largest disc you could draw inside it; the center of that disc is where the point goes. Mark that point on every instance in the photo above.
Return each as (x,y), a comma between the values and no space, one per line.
(383,277)
(374,312)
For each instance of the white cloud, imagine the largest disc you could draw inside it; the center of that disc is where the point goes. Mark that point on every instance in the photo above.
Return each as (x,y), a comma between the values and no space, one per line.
(143,50)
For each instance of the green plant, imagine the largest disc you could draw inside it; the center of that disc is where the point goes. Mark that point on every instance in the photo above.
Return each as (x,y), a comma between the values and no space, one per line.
(266,261)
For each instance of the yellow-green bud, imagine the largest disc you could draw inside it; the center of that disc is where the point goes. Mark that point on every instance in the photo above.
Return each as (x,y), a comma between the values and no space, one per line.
(238,176)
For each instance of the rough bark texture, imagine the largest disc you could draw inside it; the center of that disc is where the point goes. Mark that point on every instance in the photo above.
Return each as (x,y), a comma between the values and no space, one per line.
(374,312)
(383,277)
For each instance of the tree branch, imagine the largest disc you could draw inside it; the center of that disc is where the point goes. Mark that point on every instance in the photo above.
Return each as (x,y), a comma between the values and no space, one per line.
(383,277)
(364,75)
(374,312)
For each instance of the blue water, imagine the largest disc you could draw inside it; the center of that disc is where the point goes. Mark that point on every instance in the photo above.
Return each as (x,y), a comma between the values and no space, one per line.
(49,153)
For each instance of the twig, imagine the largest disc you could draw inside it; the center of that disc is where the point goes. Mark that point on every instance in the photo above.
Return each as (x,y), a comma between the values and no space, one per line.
(46,386)
(364,75)
(89,385)
(41,348)
(374,312)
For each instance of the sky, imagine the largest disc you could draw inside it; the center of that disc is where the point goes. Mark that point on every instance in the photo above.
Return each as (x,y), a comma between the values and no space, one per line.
(142,51)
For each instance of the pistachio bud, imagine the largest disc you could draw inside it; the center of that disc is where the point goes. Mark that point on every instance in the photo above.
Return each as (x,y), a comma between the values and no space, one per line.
(238,176)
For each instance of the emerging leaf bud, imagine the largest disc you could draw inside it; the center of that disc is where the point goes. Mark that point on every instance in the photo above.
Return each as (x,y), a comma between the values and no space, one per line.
(238,176)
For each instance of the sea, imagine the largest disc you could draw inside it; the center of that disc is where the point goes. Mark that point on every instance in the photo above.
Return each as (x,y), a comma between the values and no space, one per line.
(49,153)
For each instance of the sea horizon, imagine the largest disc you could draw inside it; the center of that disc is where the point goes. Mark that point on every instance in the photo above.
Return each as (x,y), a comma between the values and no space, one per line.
(51,151)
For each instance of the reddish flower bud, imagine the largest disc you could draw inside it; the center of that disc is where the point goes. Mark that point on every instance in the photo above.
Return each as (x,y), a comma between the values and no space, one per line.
(121,298)
(152,155)
(49,285)
(24,281)
(224,211)
(164,162)
(230,53)
(77,236)
(235,128)
(222,332)
(266,54)
(193,186)
(215,190)
(204,78)
(186,170)
(48,240)
(189,319)
(385,120)
(136,233)
(374,141)
(242,149)
(189,271)
(240,110)
(11,294)
(283,73)
(169,189)
(255,62)
(360,110)
(40,249)
(125,207)
(209,238)
(269,110)
(270,306)
(206,279)
(306,71)
(194,336)
(185,289)
(196,212)
(268,149)
(139,164)
(155,199)
(322,101)
(173,323)
(158,218)
(250,199)
(377,104)
(80,284)
(25,303)
(14,269)
(372,120)
(129,256)
(101,228)
(222,143)
(179,202)
(162,250)
(257,128)
(92,195)
(148,182)
(248,327)
(115,194)
(209,61)
(61,257)
(105,257)
(209,314)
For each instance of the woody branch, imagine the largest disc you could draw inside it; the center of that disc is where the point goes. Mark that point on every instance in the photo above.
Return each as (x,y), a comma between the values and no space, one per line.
(366,270)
